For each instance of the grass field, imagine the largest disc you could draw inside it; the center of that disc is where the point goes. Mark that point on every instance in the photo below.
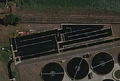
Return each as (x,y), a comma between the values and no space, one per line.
(110,5)
(4,58)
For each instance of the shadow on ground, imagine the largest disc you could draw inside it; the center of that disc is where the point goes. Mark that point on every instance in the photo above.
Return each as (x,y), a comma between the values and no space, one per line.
(1,21)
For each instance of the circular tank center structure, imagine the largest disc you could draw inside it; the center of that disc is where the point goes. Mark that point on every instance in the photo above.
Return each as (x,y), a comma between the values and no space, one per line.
(116,74)
(77,68)
(108,80)
(102,63)
(52,72)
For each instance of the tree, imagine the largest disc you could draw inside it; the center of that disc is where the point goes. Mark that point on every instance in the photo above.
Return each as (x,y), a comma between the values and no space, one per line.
(11,19)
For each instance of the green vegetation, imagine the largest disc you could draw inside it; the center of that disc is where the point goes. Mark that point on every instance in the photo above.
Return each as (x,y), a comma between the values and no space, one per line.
(5,56)
(11,19)
(2,5)
(14,74)
(111,5)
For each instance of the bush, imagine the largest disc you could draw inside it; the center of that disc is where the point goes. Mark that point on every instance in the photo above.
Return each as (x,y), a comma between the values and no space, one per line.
(11,19)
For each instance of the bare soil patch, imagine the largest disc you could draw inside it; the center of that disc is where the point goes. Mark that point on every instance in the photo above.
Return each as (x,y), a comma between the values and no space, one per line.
(67,16)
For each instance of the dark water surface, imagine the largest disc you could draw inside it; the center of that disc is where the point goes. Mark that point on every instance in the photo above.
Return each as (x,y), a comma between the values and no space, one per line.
(52,72)
(102,63)
(77,68)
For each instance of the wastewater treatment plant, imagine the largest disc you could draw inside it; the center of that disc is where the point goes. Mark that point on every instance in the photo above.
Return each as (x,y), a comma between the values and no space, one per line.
(74,52)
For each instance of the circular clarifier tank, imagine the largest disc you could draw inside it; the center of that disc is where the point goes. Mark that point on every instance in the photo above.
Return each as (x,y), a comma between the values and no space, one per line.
(52,72)
(108,80)
(116,74)
(77,68)
(102,63)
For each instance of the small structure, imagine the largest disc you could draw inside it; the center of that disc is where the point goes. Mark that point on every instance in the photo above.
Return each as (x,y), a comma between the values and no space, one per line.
(7,49)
